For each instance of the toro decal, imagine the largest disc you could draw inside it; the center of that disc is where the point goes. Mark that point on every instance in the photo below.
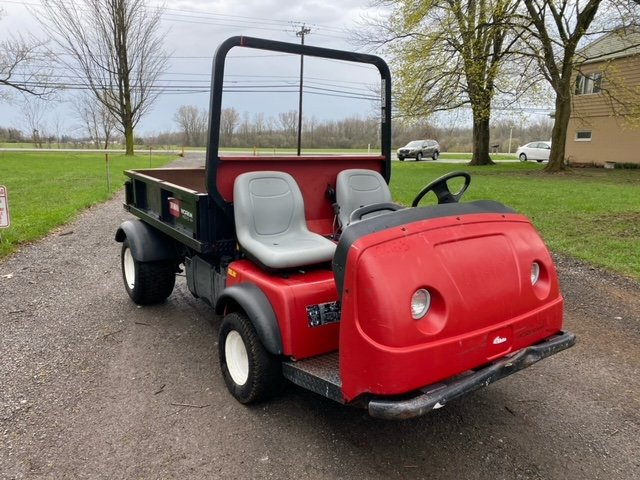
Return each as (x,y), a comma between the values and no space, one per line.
(498,340)
(174,207)
(186,214)
(176,210)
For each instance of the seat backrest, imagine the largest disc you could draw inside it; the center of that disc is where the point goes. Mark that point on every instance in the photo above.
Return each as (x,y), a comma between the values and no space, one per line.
(357,188)
(266,204)
(270,224)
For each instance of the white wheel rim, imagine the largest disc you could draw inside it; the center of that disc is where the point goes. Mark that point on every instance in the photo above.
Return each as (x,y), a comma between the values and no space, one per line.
(129,267)
(235,353)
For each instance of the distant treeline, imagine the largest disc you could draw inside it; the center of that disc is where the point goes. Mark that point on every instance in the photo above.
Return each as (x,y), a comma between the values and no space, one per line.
(281,132)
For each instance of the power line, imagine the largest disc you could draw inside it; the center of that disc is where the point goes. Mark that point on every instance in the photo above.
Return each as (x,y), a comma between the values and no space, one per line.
(219,19)
(184,89)
(259,82)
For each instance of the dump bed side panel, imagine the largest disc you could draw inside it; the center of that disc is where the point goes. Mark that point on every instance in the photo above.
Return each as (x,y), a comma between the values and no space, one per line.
(177,210)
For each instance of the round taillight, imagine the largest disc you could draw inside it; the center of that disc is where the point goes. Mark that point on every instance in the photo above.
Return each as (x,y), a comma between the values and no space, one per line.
(420,303)
(535,272)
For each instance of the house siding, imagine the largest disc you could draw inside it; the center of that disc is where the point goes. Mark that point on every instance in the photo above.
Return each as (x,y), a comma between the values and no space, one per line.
(611,141)
(614,126)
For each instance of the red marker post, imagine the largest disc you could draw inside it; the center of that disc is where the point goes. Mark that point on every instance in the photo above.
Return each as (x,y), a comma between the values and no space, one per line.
(4,208)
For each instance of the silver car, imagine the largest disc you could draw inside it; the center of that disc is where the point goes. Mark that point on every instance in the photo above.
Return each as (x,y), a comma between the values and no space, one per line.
(538,151)
(418,149)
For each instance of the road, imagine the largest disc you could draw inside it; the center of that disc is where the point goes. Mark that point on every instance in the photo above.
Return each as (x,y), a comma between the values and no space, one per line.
(95,387)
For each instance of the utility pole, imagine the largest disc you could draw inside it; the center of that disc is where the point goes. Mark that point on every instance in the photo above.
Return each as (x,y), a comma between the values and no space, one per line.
(301,33)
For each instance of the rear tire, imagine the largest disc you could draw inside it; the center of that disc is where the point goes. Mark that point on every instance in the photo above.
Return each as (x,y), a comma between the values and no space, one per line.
(419,156)
(250,372)
(435,155)
(523,157)
(146,283)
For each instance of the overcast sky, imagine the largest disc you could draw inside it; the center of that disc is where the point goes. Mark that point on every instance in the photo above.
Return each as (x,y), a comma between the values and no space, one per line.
(193,30)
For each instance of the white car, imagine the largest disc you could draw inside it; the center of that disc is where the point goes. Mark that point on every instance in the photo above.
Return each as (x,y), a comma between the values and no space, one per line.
(538,151)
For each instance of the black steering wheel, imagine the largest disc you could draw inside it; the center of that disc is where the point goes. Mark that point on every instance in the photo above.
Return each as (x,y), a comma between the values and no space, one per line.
(441,189)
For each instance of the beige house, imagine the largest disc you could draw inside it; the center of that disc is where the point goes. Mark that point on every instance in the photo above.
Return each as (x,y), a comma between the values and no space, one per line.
(605,118)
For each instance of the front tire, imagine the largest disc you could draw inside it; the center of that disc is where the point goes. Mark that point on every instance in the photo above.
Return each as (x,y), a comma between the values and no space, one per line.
(523,157)
(419,156)
(146,283)
(250,372)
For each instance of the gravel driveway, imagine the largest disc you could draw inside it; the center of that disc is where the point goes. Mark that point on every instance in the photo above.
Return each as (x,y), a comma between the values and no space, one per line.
(93,386)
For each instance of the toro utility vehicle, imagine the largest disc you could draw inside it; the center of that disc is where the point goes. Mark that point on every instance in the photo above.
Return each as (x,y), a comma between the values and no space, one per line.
(322,280)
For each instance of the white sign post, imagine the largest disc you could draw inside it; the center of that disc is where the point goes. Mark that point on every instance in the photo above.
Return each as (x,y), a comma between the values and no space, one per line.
(4,208)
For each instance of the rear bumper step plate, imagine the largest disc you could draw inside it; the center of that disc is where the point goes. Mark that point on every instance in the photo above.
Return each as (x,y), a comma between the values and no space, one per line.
(321,375)
(438,395)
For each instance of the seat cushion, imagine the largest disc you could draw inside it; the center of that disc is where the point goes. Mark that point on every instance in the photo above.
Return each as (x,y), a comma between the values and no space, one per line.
(291,251)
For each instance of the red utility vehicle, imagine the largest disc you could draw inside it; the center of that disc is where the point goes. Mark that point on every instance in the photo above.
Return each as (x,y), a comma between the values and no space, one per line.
(322,280)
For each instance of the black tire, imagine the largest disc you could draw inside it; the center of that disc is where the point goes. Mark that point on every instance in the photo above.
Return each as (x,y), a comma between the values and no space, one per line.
(539,161)
(435,155)
(261,376)
(401,159)
(418,156)
(146,283)
(523,157)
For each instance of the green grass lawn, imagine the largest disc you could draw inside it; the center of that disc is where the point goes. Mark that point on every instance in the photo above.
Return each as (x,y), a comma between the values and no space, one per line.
(467,156)
(48,189)
(589,214)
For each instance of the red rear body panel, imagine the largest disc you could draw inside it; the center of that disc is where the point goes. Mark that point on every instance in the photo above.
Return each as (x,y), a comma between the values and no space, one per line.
(290,295)
(477,268)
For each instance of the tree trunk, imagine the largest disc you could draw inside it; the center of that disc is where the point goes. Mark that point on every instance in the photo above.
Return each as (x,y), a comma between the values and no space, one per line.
(559,132)
(481,142)
(128,138)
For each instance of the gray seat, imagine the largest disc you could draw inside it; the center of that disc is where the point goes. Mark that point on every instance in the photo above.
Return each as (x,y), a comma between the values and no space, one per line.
(270,223)
(356,188)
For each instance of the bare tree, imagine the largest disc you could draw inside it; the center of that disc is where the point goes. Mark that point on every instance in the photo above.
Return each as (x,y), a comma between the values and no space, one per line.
(98,121)
(33,112)
(193,124)
(115,49)
(288,121)
(58,127)
(260,123)
(449,54)
(24,66)
(229,121)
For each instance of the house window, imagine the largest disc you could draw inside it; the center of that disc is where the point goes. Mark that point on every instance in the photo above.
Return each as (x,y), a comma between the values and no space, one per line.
(588,84)
(583,136)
